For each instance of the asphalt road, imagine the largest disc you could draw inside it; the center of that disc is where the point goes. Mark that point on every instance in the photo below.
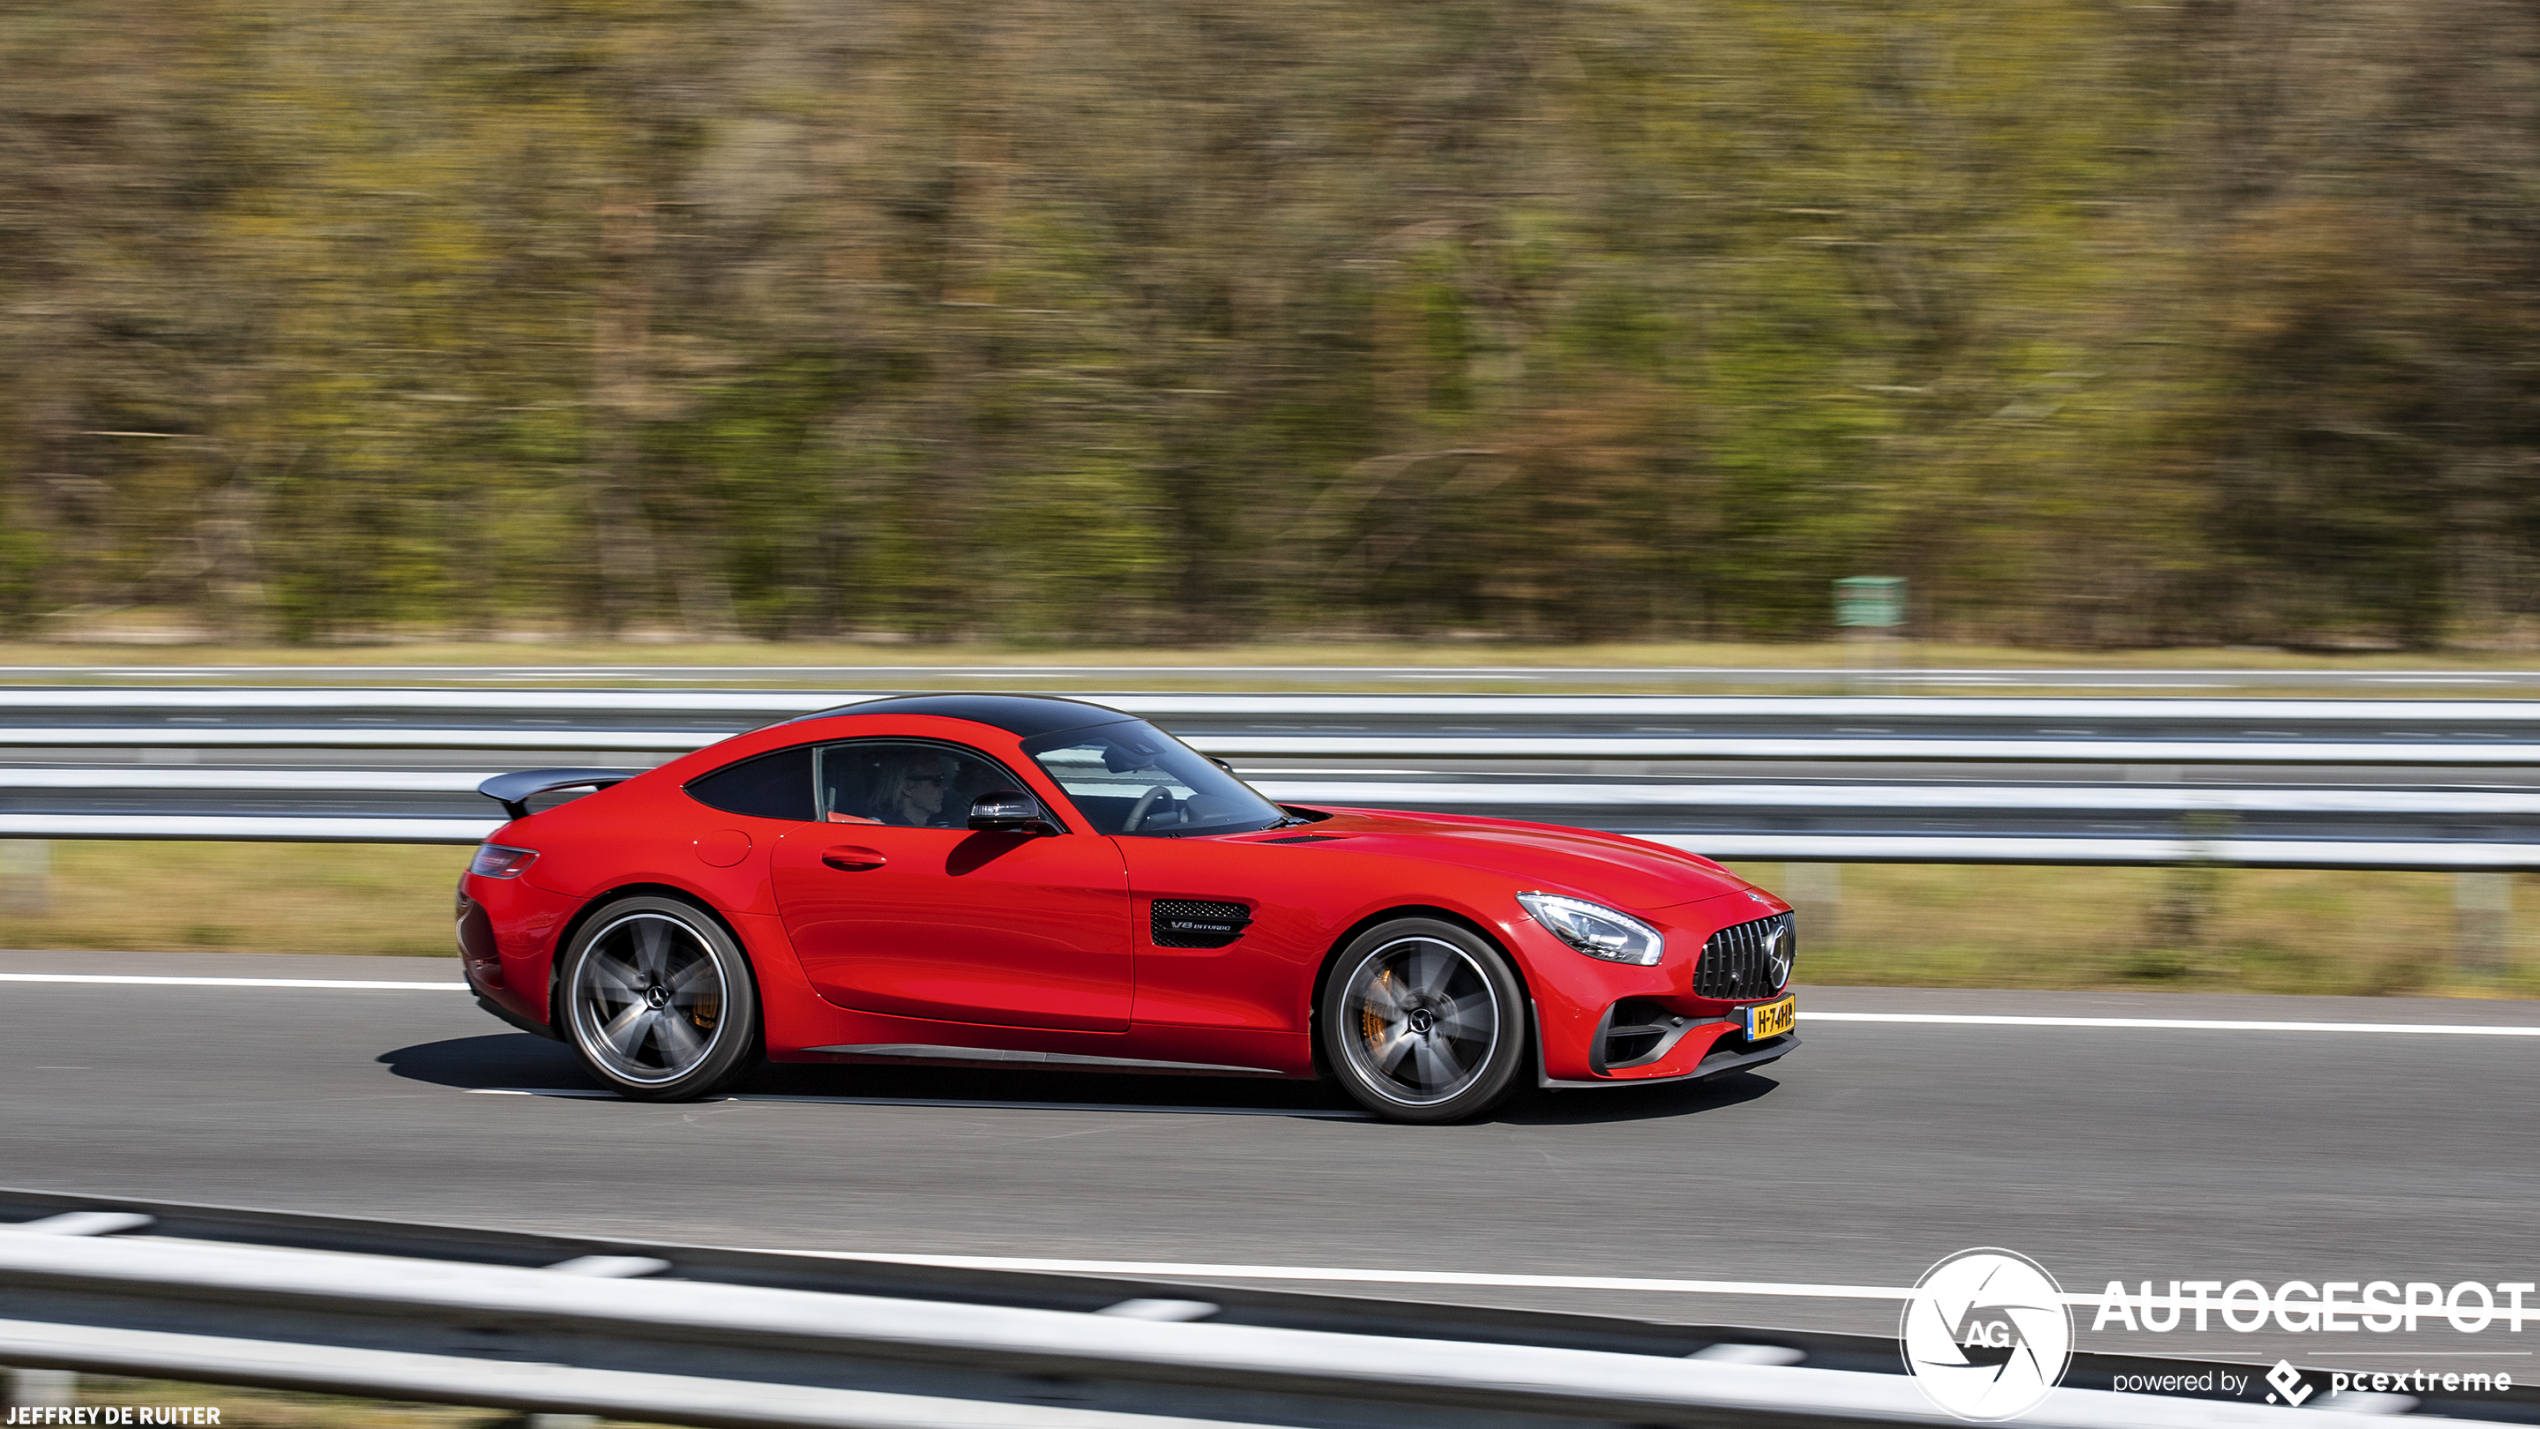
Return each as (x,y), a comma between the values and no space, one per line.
(2104,1152)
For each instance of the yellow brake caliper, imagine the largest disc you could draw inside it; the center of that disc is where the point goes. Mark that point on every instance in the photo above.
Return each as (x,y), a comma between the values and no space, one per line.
(1371,1027)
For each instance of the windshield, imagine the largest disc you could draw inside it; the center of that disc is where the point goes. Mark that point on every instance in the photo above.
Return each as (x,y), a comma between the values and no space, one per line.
(1132,778)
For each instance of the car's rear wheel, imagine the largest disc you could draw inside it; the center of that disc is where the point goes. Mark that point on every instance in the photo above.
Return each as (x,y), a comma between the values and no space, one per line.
(1424,1022)
(658,1000)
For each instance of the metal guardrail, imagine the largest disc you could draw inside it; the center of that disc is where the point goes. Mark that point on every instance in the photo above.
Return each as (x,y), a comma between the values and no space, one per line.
(688,1335)
(2465,733)
(2432,857)
(1593,760)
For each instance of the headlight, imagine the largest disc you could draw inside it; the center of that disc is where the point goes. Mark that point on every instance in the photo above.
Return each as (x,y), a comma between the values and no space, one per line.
(1595,929)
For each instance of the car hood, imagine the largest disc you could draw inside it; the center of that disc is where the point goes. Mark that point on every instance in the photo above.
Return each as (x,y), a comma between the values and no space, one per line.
(1608,868)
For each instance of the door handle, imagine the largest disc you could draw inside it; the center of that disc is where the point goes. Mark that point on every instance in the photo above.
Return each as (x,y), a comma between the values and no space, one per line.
(847,858)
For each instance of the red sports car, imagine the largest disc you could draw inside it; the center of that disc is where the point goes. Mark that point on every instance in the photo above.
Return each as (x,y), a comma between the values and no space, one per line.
(1008,880)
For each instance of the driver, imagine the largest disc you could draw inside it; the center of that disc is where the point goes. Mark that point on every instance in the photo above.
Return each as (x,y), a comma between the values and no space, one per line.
(912,791)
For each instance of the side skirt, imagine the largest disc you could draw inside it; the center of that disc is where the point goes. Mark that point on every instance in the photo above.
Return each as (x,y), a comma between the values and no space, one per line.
(1001,1057)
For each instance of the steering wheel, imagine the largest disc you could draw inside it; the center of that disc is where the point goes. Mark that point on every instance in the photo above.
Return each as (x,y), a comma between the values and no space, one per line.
(1146,803)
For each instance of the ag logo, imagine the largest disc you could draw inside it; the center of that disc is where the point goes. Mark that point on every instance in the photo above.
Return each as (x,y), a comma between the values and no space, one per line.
(1987,1334)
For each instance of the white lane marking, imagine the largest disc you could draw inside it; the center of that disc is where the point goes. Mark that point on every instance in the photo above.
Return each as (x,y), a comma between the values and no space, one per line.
(134,979)
(593,1094)
(1186,1270)
(1934,1018)
(1955,1019)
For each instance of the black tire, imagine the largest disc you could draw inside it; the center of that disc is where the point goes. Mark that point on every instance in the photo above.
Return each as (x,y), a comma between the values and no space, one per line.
(1423,1021)
(658,1001)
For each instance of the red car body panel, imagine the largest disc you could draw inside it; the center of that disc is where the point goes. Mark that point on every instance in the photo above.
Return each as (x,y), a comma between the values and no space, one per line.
(864,936)
(1012,929)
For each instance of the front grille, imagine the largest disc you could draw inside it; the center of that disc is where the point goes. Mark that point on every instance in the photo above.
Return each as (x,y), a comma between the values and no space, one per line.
(1196,923)
(1748,960)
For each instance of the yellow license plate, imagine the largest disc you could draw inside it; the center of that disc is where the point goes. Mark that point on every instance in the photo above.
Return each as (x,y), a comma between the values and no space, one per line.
(1772,1019)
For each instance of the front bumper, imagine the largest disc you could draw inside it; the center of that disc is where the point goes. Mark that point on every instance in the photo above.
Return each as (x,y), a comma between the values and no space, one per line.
(1729,1054)
(1599,1023)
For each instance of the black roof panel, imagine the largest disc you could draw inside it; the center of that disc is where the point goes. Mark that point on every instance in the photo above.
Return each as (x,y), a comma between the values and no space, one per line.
(1025,715)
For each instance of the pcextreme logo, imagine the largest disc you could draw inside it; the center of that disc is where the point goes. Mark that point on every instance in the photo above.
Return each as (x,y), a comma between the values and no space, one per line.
(1987,1334)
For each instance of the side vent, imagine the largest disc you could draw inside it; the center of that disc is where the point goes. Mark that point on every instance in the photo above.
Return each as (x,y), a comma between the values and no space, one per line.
(1193,923)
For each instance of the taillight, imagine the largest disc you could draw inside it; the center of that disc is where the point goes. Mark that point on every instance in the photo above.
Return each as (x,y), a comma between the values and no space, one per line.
(496,861)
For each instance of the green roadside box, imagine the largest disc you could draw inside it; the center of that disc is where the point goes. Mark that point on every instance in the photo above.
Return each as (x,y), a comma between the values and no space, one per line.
(1872,602)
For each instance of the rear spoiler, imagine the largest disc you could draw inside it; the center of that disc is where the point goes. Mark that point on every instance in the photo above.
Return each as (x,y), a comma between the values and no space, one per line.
(514,791)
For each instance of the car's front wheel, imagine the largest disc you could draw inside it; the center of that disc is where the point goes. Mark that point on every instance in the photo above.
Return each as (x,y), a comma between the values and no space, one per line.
(1424,1022)
(659,1000)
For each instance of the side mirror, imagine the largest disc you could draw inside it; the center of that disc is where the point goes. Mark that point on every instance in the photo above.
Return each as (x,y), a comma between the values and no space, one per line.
(1005,811)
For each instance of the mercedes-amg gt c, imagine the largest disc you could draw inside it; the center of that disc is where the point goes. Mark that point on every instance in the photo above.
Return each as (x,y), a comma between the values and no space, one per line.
(1018,881)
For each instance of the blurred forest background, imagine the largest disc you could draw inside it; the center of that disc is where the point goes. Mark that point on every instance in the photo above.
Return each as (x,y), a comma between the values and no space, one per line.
(1190,320)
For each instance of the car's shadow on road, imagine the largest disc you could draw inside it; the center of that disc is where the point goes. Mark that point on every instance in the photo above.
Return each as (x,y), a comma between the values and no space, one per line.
(507,1061)
(520,1063)
(1587,1105)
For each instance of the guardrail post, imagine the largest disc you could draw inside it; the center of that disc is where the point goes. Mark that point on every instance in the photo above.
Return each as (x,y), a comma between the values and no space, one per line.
(2482,920)
(40,1389)
(26,877)
(1815,892)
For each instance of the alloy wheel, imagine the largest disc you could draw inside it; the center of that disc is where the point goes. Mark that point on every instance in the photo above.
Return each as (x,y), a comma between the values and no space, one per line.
(648,999)
(1421,1021)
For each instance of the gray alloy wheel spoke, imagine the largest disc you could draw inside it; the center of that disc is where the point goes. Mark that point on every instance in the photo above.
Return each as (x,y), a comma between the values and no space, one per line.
(680,1045)
(615,978)
(625,1032)
(683,984)
(1390,1052)
(1466,1018)
(1415,967)
(1438,1065)
(652,947)
(1441,966)
(1384,998)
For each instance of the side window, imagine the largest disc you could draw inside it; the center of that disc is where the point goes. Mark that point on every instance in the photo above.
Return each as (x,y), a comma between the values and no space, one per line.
(905,783)
(772,786)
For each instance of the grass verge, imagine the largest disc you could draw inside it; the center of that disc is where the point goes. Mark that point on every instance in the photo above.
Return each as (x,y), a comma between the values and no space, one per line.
(239,898)
(2185,930)
(2355,934)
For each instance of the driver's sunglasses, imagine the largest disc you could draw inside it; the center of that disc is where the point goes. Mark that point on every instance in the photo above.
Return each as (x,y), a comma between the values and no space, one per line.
(935,779)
